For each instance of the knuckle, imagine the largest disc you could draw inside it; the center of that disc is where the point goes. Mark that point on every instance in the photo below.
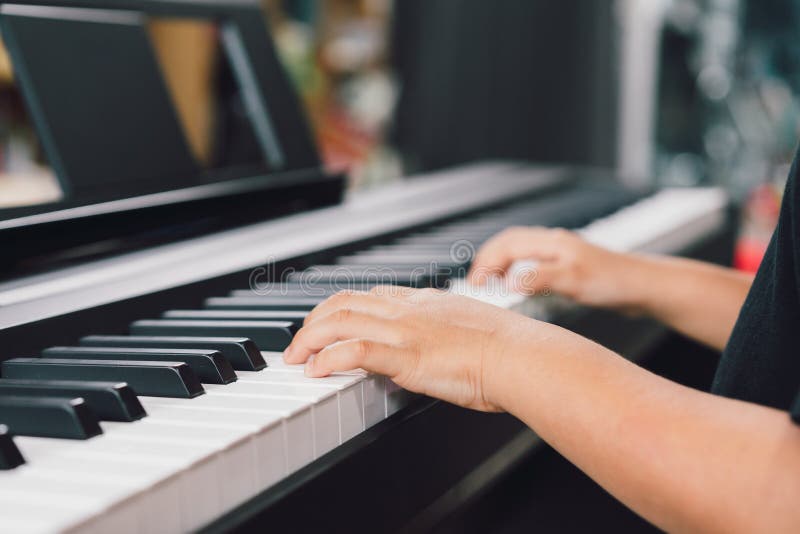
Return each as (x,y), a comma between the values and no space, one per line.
(342,315)
(362,349)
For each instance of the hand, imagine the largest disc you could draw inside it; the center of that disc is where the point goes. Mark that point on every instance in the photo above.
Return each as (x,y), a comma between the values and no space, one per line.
(426,341)
(565,264)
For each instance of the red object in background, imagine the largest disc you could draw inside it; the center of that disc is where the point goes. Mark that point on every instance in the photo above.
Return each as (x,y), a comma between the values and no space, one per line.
(759,218)
(748,254)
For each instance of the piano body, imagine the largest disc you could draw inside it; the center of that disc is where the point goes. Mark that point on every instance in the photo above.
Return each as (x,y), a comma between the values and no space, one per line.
(142,388)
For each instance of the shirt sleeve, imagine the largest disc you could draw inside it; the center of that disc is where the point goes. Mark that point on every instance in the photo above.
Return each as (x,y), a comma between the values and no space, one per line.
(795,410)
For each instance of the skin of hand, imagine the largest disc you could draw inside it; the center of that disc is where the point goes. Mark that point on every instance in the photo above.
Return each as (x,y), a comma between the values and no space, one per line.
(683,459)
(697,299)
(566,264)
(398,332)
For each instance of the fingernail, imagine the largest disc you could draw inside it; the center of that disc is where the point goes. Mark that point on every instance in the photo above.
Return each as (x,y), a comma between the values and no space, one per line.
(309,369)
(287,354)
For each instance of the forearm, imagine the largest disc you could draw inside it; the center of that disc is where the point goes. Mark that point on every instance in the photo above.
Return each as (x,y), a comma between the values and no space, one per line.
(697,299)
(684,460)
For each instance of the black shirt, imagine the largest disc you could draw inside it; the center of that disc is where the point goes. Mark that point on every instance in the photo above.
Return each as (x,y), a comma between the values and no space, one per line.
(761,362)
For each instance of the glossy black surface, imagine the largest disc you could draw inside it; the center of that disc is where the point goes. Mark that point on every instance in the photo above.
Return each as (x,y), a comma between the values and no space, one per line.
(267,335)
(157,379)
(209,365)
(241,352)
(110,401)
(295,317)
(10,457)
(66,418)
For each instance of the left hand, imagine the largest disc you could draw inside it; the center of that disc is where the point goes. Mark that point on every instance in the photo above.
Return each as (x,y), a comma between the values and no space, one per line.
(426,341)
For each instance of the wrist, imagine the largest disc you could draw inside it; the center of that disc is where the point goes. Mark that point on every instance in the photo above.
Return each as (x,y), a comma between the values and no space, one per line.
(636,282)
(526,341)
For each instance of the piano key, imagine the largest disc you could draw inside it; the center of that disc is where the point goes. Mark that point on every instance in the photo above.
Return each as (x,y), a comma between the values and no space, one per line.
(22,512)
(48,417)
(10,457)
(265,303)
(421,248)
(381,396)
(297,419)
(350,391)
(111,401)
(241,352)
(240,470)
(255,443)
(40,485)
(167,379)
(323,400)
(196,466)
(159,481)
(388,275)
(209,365)
(296,317)
(230,464)
(402,257)
(233,470)
(267,335)
(294,290)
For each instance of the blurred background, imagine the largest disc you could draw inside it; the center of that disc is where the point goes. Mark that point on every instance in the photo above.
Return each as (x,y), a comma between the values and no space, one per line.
(669,92)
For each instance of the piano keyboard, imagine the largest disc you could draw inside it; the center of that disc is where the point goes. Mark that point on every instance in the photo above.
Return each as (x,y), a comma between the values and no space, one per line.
(211,415)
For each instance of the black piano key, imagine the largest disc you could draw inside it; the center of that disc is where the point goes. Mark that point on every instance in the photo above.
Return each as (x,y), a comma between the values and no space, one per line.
(241,352)
(209,365)
(424,276)
(296,317)
(422,248)
(156,379)
(267,335)
(404,258)
(265,303)
(110,401)
(48,417)
(297,290)
(10,457)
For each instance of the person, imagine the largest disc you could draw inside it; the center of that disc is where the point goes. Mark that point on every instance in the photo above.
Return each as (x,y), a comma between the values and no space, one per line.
(683,459)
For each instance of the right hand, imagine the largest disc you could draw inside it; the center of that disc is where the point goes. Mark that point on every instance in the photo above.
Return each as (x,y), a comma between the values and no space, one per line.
(565,264)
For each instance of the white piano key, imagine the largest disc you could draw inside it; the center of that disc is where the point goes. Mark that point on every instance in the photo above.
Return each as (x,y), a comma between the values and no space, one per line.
(37,516)
(275,361)
(349,387)
(295,418)
(253,447)
(397,398)
(160,495)
(374,388)
(323,400)
(46,484)
(72,505)
(242,464)
(123,517)
(196,464)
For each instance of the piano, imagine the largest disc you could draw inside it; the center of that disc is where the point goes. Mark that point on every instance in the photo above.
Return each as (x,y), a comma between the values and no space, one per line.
(142,387)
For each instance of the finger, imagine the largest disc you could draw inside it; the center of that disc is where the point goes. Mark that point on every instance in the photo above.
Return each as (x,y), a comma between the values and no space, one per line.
(372,356)
(340,325)
(355,300)
(500,252)
(539,280)
(393,291)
